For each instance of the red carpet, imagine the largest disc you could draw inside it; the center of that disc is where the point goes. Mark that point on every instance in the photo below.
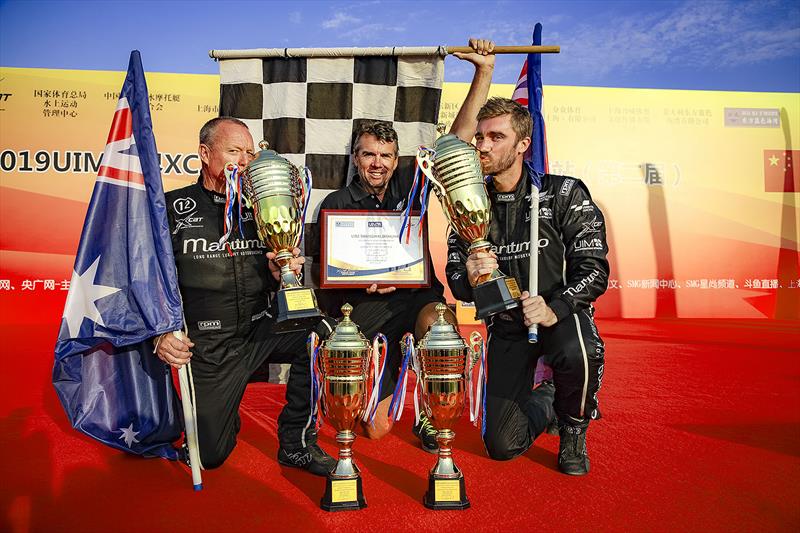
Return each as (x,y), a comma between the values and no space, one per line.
(701,432)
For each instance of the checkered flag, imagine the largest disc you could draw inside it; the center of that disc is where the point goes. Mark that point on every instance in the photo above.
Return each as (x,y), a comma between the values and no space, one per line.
(308,108)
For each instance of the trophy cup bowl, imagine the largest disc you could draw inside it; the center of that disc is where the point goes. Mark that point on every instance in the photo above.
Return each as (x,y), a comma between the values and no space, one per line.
(344,362)
(444,359)
(457,178)
(274,188)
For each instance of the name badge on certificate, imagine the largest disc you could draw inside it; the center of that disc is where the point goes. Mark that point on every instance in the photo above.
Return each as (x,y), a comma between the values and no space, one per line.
(361,248)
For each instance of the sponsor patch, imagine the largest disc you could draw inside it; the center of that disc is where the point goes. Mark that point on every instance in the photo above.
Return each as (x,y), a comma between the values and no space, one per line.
(593,226)
(219,199)
(588,244)
(566,187)
(583,207)
(208,325)
(505,197)
(201,245)
(184,205)
(259,316)
(189,221)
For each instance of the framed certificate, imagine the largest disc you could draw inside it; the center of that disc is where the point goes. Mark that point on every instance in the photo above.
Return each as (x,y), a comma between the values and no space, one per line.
(359,248)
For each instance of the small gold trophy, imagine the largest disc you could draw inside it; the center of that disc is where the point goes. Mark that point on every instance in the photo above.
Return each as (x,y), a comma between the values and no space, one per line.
(344,361)
(444,360)
(454,169)
(274,188)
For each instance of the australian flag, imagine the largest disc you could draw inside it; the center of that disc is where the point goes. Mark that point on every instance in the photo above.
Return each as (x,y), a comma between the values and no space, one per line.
(123,292)
(528,92)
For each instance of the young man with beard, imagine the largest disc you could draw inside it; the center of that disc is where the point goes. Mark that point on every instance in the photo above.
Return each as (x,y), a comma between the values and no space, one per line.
(226,292)
(573,272)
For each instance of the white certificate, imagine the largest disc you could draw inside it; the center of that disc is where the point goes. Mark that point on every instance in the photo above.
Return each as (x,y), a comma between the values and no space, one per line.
(361,248)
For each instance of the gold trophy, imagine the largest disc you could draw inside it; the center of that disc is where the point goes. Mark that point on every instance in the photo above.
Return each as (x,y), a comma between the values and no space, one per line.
(443,362)
(274,188)
(344,362)
(454,169)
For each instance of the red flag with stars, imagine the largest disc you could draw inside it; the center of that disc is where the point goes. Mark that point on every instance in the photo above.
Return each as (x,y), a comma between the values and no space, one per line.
(781,172)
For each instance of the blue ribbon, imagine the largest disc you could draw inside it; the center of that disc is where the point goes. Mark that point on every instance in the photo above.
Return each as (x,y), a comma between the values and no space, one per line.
(396,405)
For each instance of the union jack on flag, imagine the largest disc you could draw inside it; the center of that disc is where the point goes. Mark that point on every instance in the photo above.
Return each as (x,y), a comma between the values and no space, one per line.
(120,164)
(528,92)
(123,292)
(521,89)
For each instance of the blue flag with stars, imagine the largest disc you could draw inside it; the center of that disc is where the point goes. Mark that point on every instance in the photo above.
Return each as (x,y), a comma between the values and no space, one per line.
(123,292)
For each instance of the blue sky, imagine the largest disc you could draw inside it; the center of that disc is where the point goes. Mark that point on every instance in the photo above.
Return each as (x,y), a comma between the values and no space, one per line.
(701,44)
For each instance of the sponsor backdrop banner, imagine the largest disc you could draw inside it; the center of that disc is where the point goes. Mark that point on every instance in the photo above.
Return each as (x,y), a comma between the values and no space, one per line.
(699,188)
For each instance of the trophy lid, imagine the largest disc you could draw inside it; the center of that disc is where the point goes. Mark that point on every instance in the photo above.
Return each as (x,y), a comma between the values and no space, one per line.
(270,159)
(442,335)
(346,335)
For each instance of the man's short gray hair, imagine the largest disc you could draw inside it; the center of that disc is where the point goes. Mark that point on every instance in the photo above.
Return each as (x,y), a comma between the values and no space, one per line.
(209,129)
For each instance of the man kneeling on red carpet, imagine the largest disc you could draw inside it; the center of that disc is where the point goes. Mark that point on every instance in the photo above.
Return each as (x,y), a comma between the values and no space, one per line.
(573,272)
(226,299)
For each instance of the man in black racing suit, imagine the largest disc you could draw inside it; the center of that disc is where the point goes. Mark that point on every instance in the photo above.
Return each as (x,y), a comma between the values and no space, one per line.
(226,291)
(573,272)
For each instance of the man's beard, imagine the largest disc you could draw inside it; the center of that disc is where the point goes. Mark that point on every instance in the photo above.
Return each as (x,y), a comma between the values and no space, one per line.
(492,168)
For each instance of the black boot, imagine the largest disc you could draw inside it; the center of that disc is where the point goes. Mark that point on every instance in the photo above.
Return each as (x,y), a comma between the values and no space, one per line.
(311,458)
(572,457)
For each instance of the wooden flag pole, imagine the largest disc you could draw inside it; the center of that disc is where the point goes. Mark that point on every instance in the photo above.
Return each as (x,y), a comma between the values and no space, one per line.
(382,51)
(509,49)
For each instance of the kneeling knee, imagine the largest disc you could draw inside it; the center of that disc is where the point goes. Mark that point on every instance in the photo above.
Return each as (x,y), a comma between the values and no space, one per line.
(501,450)
(213,460)
(377,430)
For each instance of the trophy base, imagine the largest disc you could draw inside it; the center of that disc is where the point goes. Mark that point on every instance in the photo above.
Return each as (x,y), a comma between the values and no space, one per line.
(297,310)
(343,495)
(494,296)
(446,494)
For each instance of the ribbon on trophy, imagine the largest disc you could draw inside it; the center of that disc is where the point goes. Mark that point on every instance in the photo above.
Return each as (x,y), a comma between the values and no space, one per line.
(477,404)
(372,404)
(306,196)
(422,167)
(313,346)
(399,394)
(233,190)
(417,366)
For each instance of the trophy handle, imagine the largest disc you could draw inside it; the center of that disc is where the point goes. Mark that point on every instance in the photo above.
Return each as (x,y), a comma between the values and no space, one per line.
(317,379)
(425,163)
(375,379)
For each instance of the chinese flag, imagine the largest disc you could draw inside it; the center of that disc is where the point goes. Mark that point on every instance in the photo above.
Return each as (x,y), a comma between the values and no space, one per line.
(781,172)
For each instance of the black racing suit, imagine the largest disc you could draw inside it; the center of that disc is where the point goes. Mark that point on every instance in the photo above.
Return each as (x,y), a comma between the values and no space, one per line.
(226,302)
(573,272)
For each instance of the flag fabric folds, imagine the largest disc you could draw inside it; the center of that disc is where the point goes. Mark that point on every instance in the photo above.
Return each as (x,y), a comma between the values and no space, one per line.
(307,108)
(528,92)
(122,293)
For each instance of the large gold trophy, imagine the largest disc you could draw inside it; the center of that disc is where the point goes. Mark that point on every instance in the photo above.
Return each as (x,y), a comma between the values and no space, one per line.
(454,169)
(274,188)
(443,362)
(344,363)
